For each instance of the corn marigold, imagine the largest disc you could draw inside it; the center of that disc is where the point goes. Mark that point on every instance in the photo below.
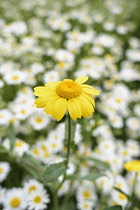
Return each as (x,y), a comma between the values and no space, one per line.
(133,165)
(58,97)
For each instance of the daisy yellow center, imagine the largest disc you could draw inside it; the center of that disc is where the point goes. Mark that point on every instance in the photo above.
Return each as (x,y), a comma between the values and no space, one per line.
(1,116)
(85,205)
(15,202)
(36,151)
(54,145)
(37,199)
(15,77)
(86,194)
(32,188)
(22,111)
(1,170)
(19,143)
(46,154)
(122,196)
(68,89)
(39,120)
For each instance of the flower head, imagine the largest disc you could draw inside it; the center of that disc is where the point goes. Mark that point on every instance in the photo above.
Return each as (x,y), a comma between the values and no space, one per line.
(58,97)
(133,165)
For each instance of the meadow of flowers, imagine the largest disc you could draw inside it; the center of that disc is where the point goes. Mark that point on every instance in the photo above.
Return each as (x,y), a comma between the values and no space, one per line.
(45,41)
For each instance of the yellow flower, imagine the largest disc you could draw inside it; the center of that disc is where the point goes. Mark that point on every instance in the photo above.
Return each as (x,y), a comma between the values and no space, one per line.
(133,165)
(58,97)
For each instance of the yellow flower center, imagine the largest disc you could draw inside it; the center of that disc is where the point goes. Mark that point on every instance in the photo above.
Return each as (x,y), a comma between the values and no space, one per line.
(118,100)
(61,64)
(68,89)
(36,151)
(1,170)
(22,111)
(86,194)
(15,77)
(39,120)
(19,143)
(122,196)
(32,188)
(1,116)
(85,205)
(46,154)
(54,145)
(15,202)
(37,199)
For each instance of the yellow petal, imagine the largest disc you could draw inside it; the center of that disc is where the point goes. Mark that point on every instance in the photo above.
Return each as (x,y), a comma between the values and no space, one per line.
(90,90)
(43,91)
(81,79)
(52,85)
(89,97)
(42,101)
(86,106)
(59,108)
(74,108)
(49,106)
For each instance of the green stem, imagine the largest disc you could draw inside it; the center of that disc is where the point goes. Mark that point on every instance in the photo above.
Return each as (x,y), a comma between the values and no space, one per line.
(69,140)
(55,200)
(67,162)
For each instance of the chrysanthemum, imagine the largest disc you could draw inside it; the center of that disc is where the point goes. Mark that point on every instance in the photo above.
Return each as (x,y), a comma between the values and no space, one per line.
(58,97)
(133,165)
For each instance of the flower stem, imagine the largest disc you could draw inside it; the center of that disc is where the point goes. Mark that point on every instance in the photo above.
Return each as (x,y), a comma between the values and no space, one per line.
(55,200)
(67,162)
(69,139)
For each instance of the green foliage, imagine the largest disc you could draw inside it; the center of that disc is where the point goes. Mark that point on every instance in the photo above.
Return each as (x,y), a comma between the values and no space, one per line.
(2,149)
(98,163)
(53,171)
(11,136)
(91,176)
(32,166)
(116,207)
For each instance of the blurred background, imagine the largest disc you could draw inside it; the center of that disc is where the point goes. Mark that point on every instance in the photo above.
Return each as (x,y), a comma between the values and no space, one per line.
(44,40)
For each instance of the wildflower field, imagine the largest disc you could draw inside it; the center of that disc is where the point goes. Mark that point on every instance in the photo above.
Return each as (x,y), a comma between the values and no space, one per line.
(69,105)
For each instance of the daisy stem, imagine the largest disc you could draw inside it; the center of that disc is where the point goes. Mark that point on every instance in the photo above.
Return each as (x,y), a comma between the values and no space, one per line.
(67,162)
(69,140)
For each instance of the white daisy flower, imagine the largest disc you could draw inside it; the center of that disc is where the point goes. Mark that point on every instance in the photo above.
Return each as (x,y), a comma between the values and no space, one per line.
(20,147)
(85,205)
(39,120)
(4,170)
(64,55)
(133,123)
(5,116)
(14,77)
(105,184)
(51,76)
(15,199)
(118,198)
(32,185)
(38,200)
(21,111)
(36,68)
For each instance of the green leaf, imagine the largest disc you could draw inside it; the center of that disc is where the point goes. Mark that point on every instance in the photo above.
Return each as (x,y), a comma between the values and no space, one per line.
(32,165)
(52,185)
(53,171)
(11,136)
(2,149)
(119,190)
(99,163)
(69,206)
(116,207)
(91,177)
